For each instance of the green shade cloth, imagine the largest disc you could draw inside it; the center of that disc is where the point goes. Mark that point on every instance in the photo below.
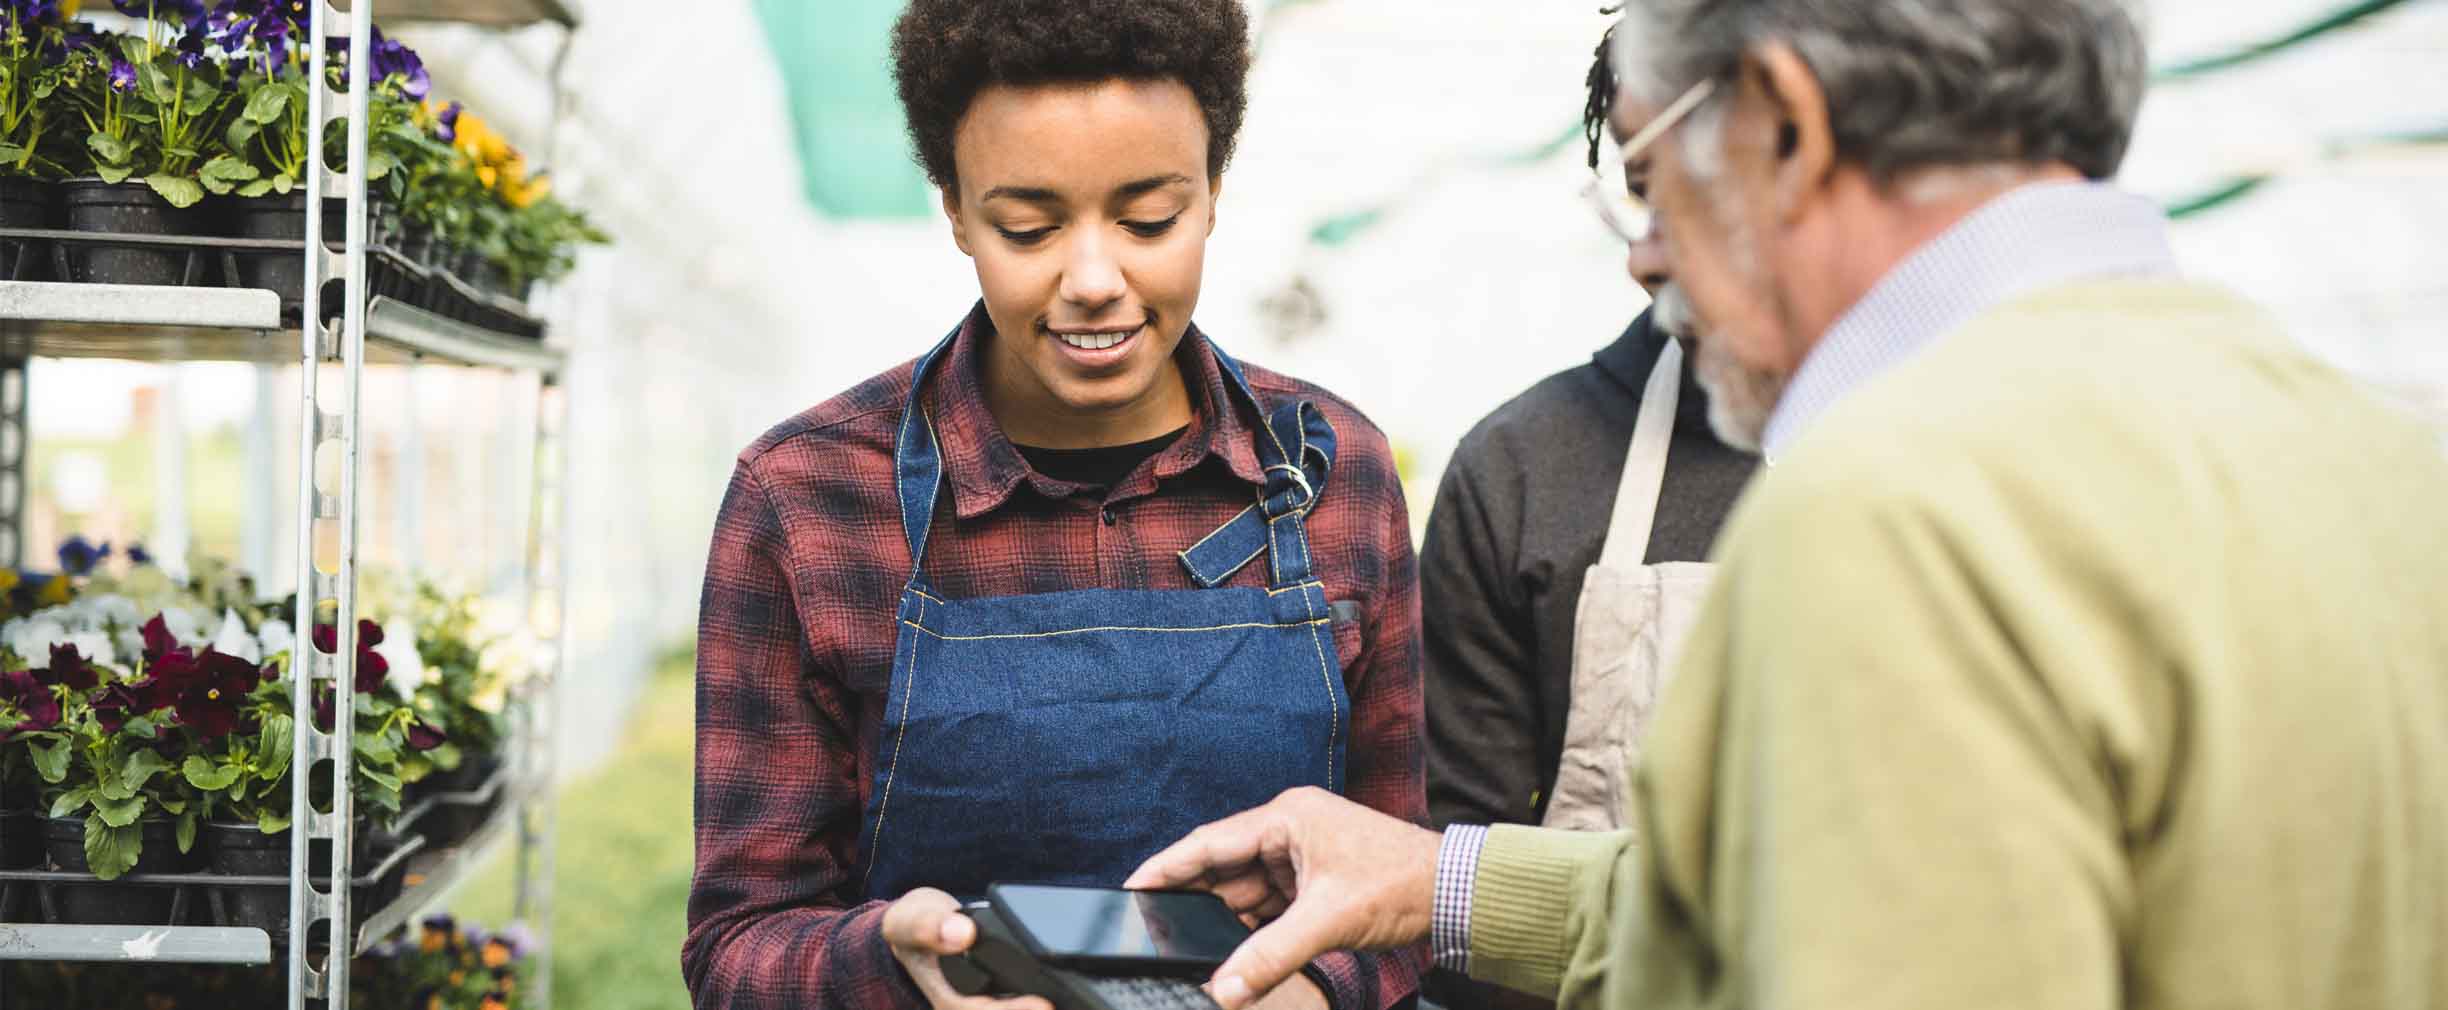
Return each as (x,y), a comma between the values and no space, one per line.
(836,66)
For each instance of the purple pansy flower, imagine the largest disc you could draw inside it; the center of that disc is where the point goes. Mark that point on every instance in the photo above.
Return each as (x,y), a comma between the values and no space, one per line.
(392,59)
(446,125)
(31,697)
(33,12)
(77,555)
(123,77)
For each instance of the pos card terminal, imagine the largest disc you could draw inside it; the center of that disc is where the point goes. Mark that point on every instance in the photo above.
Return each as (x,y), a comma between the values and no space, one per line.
(1087,948)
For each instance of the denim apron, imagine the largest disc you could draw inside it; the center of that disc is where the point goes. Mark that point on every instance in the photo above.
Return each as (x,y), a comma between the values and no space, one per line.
(1065,737)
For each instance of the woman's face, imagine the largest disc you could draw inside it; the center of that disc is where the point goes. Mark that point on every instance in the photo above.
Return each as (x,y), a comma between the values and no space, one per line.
(1086,208)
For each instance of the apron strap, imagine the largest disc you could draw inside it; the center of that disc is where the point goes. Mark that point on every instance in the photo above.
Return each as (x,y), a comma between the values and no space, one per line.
(918,461)
(1644,472)
(1296,448)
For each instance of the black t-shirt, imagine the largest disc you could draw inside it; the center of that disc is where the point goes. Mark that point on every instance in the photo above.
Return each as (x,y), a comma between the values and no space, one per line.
(1103,466)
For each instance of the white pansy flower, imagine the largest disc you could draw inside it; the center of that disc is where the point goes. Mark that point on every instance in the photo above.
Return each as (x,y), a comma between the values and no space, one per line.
(32,639)
(187,627)
(113,609)
(96,647)
(276,637)
(398,649)
(234,640)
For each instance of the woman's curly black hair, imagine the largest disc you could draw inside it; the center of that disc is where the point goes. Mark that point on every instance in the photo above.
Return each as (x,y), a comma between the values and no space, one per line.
(946,51)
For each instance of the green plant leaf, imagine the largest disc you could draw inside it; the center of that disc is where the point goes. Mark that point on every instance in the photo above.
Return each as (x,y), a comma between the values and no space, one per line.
(108,785)
(112,149)
(284,182)
(241,133)
(379,748)
(272,821)
(205,775)
(187,831)
(230,169)
(267,106)
(51,762)
(179,190)
(71,801)
(119,812)
(112,849)
(272,761)
(141,767)
(157,84)
(383,779)
(171,804)
(255,189)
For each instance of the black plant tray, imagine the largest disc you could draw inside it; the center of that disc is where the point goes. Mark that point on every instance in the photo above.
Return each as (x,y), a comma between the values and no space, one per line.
(446,819)
(213,262)
(205,899)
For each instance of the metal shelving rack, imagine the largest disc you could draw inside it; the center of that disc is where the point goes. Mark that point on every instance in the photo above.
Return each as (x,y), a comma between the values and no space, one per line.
(41,319)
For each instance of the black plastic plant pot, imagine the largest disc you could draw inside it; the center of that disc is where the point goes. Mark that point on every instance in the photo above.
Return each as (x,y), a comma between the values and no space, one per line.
(114,902)
(275,217)
(21,841)
(465,267)
(128,208)
(417,245)
(447,824)
(243,850)
(25,203)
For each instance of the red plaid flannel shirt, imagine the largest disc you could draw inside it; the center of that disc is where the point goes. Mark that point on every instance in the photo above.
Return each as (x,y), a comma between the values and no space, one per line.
(795,648)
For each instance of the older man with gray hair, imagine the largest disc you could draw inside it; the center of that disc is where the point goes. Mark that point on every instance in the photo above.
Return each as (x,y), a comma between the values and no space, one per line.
(2081,648)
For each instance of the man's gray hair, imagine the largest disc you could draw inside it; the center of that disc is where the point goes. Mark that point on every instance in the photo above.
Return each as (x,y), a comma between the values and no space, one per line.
(1915,84)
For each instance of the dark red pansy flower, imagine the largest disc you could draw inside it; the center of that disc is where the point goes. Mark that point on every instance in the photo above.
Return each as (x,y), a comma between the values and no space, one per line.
(70,668)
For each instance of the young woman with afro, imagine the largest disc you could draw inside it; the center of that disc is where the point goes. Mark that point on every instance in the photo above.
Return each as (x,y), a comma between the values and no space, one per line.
(1073,582)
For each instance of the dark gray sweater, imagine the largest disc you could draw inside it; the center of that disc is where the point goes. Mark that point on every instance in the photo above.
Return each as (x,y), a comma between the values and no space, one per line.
(1521,515)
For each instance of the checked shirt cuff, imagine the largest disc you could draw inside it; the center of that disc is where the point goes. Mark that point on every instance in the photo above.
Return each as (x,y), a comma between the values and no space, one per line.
(1457,871)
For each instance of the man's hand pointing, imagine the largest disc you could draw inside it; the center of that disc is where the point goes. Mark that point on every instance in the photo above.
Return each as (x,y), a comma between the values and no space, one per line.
(1320,872)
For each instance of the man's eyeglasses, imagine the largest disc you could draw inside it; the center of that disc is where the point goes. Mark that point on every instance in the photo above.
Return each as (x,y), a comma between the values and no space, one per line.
(1628,215)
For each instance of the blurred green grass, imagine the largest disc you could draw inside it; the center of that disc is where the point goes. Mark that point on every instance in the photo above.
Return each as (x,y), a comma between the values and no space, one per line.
(625,851)
(215,467)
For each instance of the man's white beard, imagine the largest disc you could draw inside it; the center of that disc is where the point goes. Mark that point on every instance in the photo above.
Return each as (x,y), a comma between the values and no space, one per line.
(1740,400)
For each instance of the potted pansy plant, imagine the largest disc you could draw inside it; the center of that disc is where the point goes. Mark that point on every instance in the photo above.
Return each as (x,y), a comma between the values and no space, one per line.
(156,107)
(33,64)
(265,162)
(458,689)
(245,777)
(115,800)
(448,966)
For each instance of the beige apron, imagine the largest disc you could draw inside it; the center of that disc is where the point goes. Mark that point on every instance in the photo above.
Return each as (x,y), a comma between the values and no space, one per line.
(1630,623)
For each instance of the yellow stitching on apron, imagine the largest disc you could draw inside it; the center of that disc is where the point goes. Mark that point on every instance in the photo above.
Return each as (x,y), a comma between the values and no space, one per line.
(1334,722)
(909,686)
(1266,423)
(1228,572)
(1295,589)
(914,591)
(1228,524)
(1083,631)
